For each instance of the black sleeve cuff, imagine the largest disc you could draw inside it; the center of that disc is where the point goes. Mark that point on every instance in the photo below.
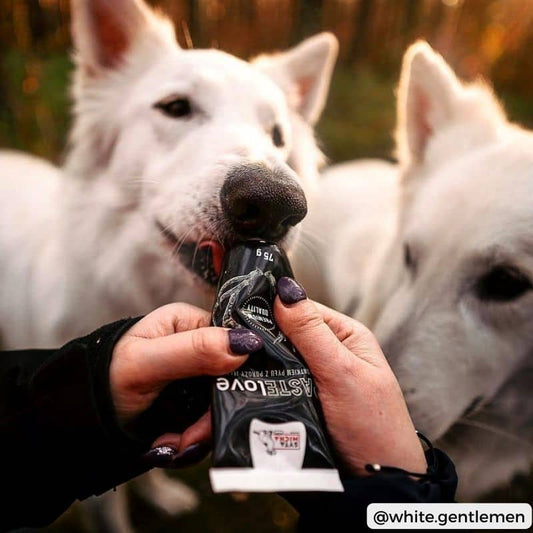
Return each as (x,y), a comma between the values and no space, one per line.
(74,412)
(349,507)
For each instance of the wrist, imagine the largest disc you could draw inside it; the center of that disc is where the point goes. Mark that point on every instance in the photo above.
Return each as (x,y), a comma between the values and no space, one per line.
(423,468)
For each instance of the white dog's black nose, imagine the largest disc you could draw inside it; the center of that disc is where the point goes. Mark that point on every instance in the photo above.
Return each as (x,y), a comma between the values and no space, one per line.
(262,203)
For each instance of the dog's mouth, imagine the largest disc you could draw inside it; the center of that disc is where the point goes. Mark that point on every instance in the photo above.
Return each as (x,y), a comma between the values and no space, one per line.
(203,258)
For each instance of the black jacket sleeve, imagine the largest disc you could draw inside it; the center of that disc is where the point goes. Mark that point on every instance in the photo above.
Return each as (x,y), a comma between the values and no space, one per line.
(59,438)
(60,441)
(336,510)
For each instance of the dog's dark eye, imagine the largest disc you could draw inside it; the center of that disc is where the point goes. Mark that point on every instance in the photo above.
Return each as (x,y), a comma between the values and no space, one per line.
(178,108)
(502,284)
(277,136)
(408,258)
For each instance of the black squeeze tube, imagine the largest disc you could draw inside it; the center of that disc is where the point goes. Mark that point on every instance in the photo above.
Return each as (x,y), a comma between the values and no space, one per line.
(267,426)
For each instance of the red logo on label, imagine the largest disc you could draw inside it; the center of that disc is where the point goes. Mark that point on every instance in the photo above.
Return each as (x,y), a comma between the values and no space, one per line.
(286,441)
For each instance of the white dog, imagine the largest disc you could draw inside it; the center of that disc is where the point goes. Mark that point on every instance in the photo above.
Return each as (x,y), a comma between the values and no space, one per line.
(436,256)
(173,155)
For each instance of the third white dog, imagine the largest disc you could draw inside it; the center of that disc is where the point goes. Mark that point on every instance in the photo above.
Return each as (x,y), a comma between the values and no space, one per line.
(436,256)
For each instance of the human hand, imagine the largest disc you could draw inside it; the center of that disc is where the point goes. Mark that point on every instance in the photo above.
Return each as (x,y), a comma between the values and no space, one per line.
(171,343)
(363,404)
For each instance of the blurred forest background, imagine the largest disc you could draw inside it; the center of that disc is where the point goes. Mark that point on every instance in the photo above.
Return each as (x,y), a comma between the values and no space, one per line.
(488,38)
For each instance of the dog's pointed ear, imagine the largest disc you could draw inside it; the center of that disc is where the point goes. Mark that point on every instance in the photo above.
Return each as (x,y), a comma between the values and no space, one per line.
(304,73)
(428,95)
(105,30)
(431,98)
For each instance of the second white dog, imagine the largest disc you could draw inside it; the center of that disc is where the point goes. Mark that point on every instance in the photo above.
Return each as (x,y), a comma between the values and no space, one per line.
(436,256)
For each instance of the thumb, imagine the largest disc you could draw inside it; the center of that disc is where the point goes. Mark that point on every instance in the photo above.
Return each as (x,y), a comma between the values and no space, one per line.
(303,324)
(203,351)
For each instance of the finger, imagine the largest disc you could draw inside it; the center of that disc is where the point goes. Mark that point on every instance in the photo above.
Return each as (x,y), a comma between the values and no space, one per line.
(303,324)
(165,452)
(191,455)
(354,335)
(170,440)
(200,431)
(169,319)
(204,351)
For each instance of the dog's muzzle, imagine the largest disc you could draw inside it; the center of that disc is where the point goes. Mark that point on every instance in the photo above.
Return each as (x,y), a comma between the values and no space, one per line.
(262,203)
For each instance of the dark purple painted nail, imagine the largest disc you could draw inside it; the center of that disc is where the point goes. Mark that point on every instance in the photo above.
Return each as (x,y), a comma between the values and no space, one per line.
(243,341)
(192,454)
(290,291)
(160,457)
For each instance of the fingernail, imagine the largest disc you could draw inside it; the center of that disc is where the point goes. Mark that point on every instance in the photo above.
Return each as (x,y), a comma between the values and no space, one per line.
(191,454)
(290,291)
(161,456)
(243,341)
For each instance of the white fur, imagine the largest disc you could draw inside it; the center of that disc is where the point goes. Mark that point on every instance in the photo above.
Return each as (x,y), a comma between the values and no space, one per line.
(81,241)
(79,244)
(461,199)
